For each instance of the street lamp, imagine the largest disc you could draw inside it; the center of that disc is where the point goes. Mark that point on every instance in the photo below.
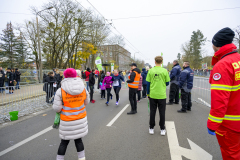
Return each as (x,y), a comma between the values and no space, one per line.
(39,45)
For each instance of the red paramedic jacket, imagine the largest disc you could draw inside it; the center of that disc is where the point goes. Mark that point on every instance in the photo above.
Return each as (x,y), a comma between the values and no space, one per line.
(225,89)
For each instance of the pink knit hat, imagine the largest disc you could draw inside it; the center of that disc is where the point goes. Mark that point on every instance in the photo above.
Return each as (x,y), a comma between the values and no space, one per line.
(70,73)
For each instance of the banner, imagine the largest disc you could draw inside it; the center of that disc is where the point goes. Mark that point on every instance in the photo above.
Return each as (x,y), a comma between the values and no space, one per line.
(112,67)
(98,63)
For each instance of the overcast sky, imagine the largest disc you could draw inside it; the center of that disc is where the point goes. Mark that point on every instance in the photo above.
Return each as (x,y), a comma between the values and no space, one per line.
(153,35)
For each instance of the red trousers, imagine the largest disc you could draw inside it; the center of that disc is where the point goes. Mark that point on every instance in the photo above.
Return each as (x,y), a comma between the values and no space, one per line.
(229,142)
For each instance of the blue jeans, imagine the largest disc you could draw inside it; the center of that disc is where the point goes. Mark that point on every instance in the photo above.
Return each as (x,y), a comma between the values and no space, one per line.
(87,86)
(17,85)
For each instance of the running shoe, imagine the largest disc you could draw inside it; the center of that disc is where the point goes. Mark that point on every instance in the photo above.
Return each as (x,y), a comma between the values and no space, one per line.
(163,132)
(151,131)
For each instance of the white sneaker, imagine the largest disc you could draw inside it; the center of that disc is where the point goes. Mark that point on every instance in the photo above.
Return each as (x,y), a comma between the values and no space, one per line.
(151,131)
(82,158)
(163,132)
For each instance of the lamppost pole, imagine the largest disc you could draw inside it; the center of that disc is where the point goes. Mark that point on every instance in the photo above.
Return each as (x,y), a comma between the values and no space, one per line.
(39,46)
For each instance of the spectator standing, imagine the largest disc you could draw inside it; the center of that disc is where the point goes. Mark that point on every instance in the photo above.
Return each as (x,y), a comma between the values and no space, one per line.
(174,89)
(108,81)
(50,89)
(133,83)
(186,84)
(71,100)
(96,73)
(144,83)
(91,85)
(17,78)
(87,73)
(2,77)
(117,84)
(9,80)
(224,117)
(139,89)
(158,79)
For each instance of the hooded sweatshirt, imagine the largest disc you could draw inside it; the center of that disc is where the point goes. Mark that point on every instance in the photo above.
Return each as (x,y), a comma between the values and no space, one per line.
(71,129)
(108,81)
(144,76)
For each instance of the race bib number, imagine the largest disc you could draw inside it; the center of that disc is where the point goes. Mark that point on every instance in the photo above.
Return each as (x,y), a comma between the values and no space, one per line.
(54,85)
(116,83)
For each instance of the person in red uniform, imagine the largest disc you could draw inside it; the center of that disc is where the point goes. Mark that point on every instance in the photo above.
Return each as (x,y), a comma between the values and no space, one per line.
(224,117)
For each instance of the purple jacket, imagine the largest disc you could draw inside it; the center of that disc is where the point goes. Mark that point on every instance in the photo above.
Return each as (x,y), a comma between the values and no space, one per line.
(140,84)
(108,81)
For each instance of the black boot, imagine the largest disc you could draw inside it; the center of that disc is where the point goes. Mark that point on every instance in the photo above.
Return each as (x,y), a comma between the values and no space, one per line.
(132,112)
(182,111)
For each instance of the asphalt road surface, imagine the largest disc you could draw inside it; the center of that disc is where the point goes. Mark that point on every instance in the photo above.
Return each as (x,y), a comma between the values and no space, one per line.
(126,139)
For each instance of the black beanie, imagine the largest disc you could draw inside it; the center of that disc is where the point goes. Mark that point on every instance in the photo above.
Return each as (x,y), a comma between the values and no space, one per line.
(223,37)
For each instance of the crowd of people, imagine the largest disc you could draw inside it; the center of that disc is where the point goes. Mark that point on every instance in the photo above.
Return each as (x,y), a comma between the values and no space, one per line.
(9,80)
(223,119)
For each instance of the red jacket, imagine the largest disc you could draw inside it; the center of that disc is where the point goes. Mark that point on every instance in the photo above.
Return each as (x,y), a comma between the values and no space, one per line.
(87,75)
(225,89)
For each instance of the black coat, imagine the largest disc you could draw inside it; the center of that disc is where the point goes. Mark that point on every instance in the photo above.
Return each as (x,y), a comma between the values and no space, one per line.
(91,79)
(48,86)
(17,76)
(9,77)
(2,76)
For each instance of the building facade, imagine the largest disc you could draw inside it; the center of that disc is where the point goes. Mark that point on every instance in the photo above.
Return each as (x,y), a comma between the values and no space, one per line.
(117,54)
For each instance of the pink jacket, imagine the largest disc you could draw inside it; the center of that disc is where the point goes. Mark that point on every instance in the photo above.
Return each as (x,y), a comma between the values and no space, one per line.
(140,84)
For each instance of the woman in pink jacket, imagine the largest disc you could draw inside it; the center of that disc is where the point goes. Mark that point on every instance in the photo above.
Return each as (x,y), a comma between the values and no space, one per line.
(108,80)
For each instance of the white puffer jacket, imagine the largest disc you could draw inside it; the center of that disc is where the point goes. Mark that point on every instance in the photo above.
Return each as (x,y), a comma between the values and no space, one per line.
(71,129)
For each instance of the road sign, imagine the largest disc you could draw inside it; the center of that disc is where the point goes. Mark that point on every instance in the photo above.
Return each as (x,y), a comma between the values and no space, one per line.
(112,67)
(195,153)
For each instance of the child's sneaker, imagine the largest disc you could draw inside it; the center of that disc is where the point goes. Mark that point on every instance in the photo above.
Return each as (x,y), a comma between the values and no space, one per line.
(107,103)
(138,101)
(117,103)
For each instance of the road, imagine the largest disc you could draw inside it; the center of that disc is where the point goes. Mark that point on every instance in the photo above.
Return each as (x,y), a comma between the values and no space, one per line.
(127,138)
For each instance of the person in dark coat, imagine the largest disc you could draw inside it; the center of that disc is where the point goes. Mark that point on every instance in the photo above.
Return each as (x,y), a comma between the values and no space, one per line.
(9,79)
(17,78)
(91,85)
(50,89)
(2,77)
(144,83)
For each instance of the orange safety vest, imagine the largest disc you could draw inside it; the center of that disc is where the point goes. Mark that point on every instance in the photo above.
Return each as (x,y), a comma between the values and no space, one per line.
(73,106)
(135,83)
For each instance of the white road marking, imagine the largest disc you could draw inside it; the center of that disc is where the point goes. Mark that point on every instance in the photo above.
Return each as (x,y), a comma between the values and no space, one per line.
(176,151)
(25,141)
(117,116)
(207,104)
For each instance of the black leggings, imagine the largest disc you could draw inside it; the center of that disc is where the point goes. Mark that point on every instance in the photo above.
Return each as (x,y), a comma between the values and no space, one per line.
(64,143)
(103,93)
(117,90)
(91,93)
(108,93)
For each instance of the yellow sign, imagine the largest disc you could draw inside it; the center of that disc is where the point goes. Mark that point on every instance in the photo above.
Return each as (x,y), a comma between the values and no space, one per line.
(237,76)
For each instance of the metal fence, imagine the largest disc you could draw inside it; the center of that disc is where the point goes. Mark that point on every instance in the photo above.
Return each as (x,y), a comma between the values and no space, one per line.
(202,73)
(28,99)
(201,92)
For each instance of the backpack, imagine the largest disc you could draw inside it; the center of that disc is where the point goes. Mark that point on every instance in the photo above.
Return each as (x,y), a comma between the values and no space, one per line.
(84,75)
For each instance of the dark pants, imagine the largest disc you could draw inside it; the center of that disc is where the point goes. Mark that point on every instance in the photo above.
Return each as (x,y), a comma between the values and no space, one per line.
(108,93)
(17,85)
(186,100)
(174,93)
(103,93)
(139,95)
(161,105)
(64,143)
(1,87)
(144,92)
(132,98)
(91,92)
(117,90)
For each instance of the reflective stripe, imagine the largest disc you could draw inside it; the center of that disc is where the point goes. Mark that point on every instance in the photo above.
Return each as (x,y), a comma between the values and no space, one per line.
(136,81)
(76,108)
(219,134)
(133,84)
(215,119)
(232,118)
(225,87)
(72,113)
